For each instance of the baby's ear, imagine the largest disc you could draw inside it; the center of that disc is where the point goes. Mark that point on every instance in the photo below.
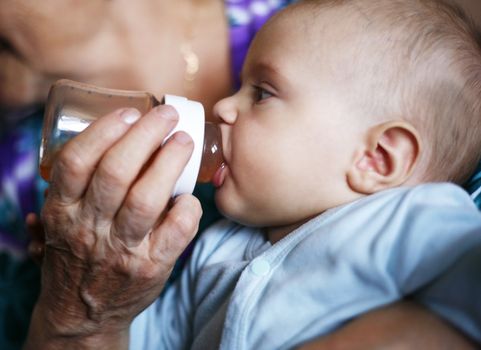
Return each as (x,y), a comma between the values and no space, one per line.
(386,159)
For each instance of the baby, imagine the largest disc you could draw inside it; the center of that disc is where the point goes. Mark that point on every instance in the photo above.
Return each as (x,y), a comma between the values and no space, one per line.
(351,118)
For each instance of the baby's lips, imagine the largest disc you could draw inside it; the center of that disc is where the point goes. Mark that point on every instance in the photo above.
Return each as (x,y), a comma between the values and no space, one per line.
(219,176)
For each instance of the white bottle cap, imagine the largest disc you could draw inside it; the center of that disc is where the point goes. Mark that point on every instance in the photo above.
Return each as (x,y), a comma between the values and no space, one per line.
(191,121)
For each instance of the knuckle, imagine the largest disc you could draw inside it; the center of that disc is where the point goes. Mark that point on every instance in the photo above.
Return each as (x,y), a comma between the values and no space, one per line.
(191,204)
(113,172)
(183,223)
(70,161)
(146,273)
(128,264)
(147,132)
(141,205)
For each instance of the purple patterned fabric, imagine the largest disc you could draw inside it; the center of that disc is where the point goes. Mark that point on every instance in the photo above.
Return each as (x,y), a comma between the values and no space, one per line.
(20,187)
(245,18)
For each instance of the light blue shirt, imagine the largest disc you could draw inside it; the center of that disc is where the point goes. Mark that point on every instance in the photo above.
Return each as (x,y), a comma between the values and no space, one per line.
(240,292)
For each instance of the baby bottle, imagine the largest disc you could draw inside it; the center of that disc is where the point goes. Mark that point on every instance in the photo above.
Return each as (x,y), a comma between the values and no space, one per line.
(72,106)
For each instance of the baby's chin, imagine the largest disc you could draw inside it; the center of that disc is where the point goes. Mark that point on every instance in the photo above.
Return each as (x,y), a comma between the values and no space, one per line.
(240,218)
(249,218)
(238,213)
(245,209)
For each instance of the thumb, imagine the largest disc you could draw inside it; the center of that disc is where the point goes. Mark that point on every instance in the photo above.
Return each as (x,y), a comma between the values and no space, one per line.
(179,226)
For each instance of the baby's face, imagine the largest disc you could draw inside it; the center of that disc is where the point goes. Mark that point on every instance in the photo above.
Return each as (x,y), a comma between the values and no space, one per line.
(288,134)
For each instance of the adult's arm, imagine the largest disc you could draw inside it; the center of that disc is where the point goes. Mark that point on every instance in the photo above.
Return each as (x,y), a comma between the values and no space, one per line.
(112,232)
(403,325)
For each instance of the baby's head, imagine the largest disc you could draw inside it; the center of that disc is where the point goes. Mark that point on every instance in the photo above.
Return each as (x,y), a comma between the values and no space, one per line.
(343,98)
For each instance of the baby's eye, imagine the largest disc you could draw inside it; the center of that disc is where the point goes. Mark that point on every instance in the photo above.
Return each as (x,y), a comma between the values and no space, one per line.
(261,94)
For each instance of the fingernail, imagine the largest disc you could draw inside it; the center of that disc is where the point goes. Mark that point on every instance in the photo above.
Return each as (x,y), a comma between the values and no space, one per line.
(167,112)
(130,115)
(182,138)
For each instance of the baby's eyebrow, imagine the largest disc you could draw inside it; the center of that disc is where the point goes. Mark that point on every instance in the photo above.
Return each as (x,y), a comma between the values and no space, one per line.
(263,68)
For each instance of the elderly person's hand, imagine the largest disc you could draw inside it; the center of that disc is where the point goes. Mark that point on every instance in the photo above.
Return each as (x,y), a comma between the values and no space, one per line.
(112,232)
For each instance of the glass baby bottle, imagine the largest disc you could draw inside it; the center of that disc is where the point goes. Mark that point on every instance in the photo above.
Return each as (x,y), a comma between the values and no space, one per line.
(72,106)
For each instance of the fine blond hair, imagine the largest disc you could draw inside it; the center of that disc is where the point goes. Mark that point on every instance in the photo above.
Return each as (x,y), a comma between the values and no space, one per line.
(426,69)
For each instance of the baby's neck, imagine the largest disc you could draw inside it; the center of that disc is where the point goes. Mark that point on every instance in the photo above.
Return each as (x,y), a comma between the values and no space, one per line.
(276,233)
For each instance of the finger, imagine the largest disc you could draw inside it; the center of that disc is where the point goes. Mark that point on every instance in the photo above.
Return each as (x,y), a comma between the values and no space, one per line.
(35,228)
(150,195)
(36,252)
(31,219)
(123,163)
(36,247)
(74,165)
(177,230)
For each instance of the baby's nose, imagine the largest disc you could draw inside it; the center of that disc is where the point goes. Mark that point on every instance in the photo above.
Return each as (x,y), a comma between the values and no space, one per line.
(226,110)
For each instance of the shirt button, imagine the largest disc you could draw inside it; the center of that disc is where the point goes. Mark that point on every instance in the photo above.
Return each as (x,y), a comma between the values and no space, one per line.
(260,267)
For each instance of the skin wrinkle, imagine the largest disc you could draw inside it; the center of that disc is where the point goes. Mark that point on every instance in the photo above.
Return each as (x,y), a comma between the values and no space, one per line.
(97,310)
(64,279)
(121,265)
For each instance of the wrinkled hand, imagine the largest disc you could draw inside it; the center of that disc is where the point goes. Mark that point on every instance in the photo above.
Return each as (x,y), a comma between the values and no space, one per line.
(112,232)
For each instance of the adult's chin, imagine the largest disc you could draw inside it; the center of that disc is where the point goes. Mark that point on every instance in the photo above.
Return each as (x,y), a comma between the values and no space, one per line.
(20,85)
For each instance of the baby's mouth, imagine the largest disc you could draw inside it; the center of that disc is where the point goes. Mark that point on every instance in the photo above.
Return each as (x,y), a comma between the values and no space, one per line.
(219,176)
